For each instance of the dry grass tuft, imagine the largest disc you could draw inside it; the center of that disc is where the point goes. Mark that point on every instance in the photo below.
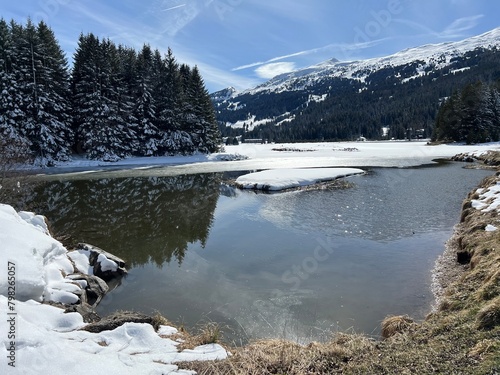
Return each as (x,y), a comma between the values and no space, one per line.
(489,316)
(395,324)
(491,287)
(287,357)
(159,320)
(483,348)
(209,333)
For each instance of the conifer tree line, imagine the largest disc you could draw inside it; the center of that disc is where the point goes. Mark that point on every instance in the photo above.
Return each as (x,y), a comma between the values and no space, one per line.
(114,102)
(470,115)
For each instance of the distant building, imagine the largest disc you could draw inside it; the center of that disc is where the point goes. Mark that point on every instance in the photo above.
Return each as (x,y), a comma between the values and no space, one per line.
(253,140)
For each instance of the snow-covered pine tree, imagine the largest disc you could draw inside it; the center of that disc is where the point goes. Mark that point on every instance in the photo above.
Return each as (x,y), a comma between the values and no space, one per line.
(100,107)
(127,63)
(168,96)
(90,110)
(22,76)
(186,138)
(145,109)
(53,107)
(39,70)
(122,136)
(206,134)
(11,113)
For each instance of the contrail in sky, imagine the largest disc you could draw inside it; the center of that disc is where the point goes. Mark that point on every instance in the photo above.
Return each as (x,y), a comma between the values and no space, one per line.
(172,8)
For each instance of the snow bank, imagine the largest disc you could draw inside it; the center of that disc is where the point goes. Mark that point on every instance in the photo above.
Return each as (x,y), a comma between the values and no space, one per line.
(40,339)
(48,342)
(40,258)
(489,199)
(281,179)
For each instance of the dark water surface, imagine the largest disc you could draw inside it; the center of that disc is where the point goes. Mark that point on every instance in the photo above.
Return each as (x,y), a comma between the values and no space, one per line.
(296,265)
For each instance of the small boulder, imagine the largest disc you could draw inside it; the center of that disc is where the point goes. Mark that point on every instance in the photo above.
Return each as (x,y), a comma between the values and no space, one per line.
(95,288)
(105,265)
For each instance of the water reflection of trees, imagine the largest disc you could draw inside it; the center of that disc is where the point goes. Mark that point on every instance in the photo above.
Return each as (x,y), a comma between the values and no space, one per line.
(139,219)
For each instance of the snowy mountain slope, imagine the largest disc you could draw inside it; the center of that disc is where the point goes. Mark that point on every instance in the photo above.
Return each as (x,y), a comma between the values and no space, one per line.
(338,90)
(431,56)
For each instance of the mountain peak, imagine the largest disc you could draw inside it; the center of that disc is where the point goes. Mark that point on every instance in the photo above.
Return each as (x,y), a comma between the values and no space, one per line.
(224,94)
(436,55)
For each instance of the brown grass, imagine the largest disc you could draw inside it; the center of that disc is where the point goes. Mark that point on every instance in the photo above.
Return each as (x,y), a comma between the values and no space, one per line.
(393,325)
(489,316)
(209,333)
(287,357)
(159,320)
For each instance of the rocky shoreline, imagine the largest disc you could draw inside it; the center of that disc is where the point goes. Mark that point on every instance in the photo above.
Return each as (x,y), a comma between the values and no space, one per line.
(103,267)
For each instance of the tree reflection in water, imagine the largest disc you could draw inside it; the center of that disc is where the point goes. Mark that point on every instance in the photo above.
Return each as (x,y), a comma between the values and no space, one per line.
(139,219)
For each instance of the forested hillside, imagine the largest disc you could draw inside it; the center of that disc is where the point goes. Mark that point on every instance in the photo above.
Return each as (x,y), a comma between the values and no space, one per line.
(397,96)
(114,102)
(471,115)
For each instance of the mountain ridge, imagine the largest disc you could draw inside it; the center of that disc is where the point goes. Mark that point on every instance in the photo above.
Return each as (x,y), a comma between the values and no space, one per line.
(402,57)
(290,99)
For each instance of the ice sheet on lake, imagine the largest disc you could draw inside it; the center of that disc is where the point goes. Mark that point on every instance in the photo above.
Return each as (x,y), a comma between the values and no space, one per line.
(281,179)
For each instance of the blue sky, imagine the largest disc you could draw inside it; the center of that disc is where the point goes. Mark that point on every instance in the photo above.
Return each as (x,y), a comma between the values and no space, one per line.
(242,43)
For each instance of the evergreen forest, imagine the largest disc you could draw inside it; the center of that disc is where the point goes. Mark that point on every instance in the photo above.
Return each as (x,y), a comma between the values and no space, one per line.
(114,102)
(470,115)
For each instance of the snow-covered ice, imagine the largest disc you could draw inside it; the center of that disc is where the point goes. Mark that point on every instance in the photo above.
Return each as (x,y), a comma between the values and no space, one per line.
(47,340)
(248,157)
(281,179)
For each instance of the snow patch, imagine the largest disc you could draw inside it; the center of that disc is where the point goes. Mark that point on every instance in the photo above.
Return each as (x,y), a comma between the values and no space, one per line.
(107,264)
(489,199)
(250,122)
(281,179)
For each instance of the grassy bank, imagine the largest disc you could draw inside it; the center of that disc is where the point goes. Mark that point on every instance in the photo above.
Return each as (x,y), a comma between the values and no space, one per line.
(461,336)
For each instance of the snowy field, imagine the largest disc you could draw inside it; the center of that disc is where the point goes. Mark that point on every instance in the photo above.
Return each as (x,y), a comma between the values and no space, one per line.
(250,157)
(41,339)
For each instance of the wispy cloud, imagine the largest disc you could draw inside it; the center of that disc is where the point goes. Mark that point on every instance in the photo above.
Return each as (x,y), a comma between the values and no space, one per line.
(273,69)
(343,49)
(252,65)
(456,29)
(460,25)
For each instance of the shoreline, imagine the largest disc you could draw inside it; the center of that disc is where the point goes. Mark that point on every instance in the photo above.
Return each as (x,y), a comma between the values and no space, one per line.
(446,270)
